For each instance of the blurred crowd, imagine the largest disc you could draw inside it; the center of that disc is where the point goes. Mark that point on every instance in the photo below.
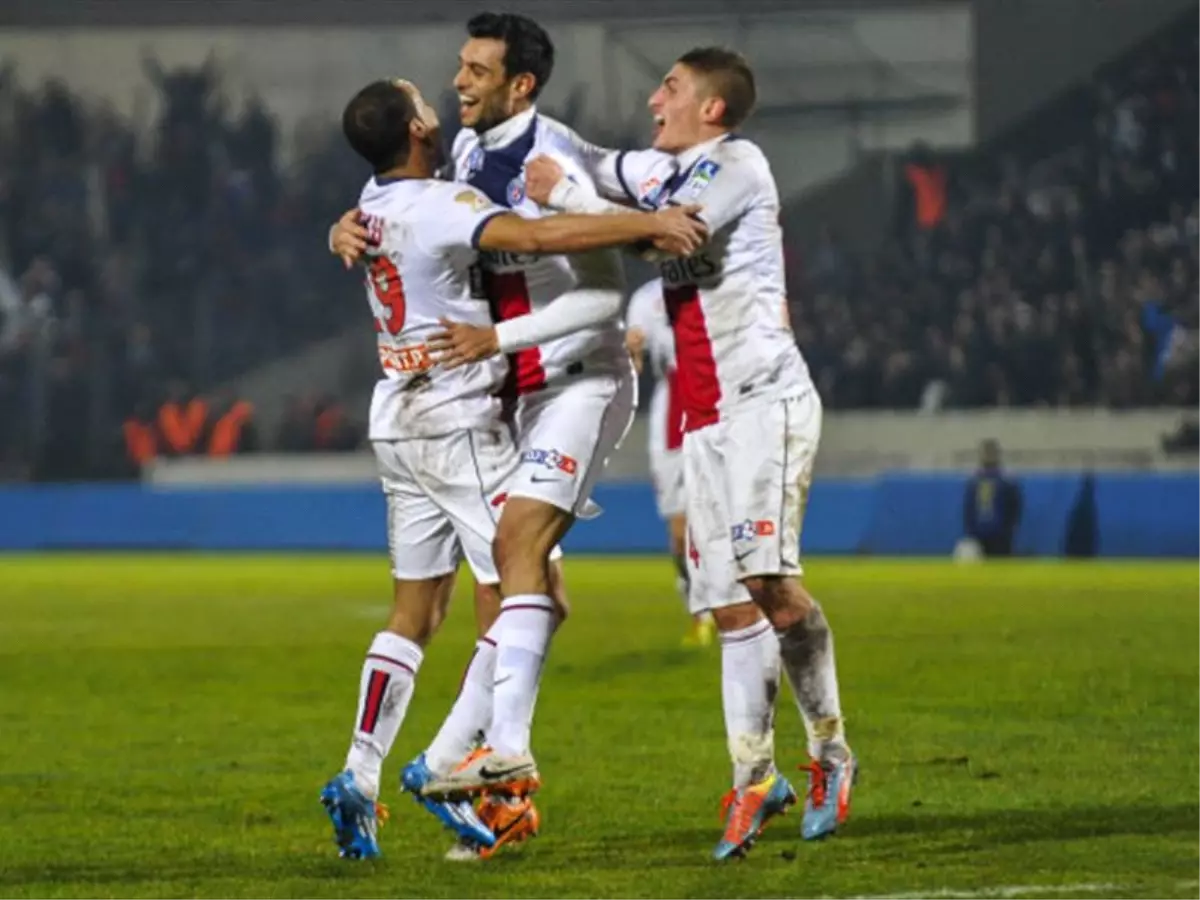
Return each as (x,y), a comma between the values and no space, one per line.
(127,267)
(137,276)
(1068,279)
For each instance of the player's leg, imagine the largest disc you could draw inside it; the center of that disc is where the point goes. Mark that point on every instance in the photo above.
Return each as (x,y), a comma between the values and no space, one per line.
(749,654)
(767,553)
(469,478)
(702,631)
(567,436)
(424,555)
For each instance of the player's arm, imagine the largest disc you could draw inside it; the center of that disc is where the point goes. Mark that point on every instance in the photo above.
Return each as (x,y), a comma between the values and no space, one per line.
(674,230)
(619,174)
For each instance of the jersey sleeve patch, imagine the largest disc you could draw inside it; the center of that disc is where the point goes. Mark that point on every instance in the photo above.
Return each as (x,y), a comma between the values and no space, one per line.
(477,202)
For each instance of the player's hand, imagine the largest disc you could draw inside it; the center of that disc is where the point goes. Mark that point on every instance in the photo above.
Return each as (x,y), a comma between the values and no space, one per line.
(635,342)
(460,344)
(681,233)
(542,175)
(348,240)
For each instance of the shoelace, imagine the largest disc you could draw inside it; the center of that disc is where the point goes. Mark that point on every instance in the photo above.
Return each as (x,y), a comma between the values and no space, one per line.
(744,810)
(818,781)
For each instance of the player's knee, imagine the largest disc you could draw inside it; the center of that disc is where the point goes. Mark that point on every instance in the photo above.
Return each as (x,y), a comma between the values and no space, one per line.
(782,598)
(736,617)
(558,590)
(527,532)
(418,607)
(487,606)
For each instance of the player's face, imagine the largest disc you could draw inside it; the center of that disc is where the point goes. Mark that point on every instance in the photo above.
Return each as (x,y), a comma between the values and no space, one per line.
(486,95)
(425,128)
(681,109)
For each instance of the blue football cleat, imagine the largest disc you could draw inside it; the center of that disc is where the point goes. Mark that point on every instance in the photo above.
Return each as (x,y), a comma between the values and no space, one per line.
(457,815)
(354,816)
(828,802)
(747,812)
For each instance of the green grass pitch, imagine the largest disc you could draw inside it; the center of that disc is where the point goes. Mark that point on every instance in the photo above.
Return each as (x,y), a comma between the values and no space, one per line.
(167,722)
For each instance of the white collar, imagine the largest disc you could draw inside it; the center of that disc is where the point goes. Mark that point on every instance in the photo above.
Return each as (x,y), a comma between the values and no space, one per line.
(507,131)
(689,157)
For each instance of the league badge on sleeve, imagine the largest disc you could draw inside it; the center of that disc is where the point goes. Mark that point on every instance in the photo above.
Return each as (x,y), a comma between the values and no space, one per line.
(698,181)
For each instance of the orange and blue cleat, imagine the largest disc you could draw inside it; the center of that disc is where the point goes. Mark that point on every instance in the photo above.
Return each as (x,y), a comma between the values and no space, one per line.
(747,811)
(827,804)
(511,819)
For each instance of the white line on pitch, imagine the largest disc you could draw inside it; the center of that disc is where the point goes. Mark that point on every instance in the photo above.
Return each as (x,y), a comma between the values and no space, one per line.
(1012,891)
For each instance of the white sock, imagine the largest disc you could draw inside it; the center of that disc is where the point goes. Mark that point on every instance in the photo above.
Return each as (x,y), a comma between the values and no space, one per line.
(808,660)
(385,689)
(522,636)
(749,684)
(471,713)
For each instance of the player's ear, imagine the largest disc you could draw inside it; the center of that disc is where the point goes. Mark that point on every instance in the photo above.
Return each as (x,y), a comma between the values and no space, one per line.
(523,85)
(418,129)
(712,110)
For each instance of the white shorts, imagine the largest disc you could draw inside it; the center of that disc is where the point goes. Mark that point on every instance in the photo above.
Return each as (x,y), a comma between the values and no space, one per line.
(747,480)
(567,432)
(444,498)
(666,471)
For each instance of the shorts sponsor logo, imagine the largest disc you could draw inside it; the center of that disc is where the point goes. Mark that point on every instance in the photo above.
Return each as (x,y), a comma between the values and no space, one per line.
(551,460)
(750,530)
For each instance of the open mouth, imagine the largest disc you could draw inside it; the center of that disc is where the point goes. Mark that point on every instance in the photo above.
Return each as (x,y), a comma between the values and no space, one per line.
(466,103)
(659,123)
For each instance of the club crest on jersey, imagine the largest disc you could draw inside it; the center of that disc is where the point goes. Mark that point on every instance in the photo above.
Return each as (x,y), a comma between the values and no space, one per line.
(516,191)
(474,161)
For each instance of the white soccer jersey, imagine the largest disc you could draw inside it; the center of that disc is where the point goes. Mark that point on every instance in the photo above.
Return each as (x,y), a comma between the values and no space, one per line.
(648,313)
(422,267)
(517,284)
(727,303)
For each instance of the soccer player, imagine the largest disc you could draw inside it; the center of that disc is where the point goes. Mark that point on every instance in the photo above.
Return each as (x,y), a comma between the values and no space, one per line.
(649,337)
(444,454)
(752,422)
(560,325)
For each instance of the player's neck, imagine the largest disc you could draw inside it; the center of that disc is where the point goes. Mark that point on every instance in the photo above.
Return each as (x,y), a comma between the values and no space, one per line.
(503,133)
(417,166)
(703,139)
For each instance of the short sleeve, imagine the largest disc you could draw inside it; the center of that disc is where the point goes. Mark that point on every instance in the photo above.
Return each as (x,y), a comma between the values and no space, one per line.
(633,176)
(456,221)
(726,184)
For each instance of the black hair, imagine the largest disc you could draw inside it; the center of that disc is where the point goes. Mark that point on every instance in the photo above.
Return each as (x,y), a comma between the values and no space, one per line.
(730,78)
(376,122)
(527,47)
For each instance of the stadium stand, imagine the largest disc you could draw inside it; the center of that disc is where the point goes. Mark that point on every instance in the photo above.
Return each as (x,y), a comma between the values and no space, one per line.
(1062,277)
(1067,277)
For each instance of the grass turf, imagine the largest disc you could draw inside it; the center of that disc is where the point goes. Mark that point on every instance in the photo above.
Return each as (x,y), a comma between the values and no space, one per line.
(167,722)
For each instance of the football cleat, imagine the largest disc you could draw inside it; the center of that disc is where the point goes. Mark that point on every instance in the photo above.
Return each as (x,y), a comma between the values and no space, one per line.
(457,815)
(511,820)
(701,633)
(355,817)
(747,811)
(827,804)
(486,771)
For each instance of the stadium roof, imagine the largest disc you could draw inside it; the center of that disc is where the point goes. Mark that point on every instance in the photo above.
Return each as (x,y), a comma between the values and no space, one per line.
(114,13)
